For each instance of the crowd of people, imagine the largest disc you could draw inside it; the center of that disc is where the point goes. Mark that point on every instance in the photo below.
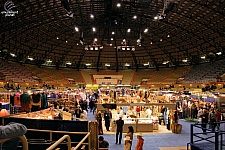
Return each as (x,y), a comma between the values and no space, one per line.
(211,117)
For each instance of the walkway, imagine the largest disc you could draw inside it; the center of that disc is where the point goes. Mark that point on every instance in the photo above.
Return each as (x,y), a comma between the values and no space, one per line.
(157,140)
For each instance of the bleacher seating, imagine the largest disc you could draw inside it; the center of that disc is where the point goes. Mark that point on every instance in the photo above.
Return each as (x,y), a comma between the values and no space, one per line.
(127,76)
(87,75)
(15,72)
(72,75)
(160,75)
(107,72)
(205,72)
(175,74)
(54,74)
(41,74)
(142,74)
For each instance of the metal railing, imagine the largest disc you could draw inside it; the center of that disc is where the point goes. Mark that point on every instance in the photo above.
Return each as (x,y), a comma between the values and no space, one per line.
(213,137)
(68,142)
(60,141)
(66,136)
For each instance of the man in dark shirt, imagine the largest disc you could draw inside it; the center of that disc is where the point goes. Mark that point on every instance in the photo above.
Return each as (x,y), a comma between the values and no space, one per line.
(102,142)
(107,118)
(119,129)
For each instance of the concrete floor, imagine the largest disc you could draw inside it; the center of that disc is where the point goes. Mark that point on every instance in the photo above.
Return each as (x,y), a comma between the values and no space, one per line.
(162,139)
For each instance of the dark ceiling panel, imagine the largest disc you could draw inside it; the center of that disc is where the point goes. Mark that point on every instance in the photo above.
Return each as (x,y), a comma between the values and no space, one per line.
(43,29)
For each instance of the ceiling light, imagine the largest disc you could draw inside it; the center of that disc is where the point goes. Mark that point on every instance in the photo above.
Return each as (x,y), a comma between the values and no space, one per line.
(91,15)
(219,53)
(128,30)
(146,64)
(13,55)
(118,5)
(151,43)
(107,65)
(57,38)
(95,39)
(135,17)
(93,29)
(146,30)
(184,60)
(160,40)
(203,57)
(111,39)
(165,62)
(48,61)
(31,59)
(168,35)
(113,32)
(69,63)
(66,41)
(76,29)
(156,17)
(88,64)
(124,40)
(127,65)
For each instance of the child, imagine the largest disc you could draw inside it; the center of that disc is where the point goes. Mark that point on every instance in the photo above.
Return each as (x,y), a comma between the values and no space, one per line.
(127,143)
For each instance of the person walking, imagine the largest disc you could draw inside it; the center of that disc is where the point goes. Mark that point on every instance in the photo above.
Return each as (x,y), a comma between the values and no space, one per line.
(204,117)
(212,119)
(140,142)
(130,133)
(119,129)
(218,119)
(99,120)
(127,143)
(107,118)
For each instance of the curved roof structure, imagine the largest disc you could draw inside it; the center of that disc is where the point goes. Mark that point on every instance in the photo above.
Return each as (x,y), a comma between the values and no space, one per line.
(113,34)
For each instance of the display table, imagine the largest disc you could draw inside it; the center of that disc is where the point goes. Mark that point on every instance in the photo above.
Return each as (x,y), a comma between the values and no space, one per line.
(144,125)
(6,106)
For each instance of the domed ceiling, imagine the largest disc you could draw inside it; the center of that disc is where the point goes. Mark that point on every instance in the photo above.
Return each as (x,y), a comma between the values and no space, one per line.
(112,34)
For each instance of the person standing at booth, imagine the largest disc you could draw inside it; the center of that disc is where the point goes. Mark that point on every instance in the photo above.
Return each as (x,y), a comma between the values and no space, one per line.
(119,129)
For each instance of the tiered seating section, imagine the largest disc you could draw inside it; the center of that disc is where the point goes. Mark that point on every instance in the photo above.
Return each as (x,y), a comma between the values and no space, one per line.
(162,76)
(127,76)
(142,74)
(17,73)
(88,75)
(71,75)
(205,72)
(61,76)
(201,73)
(41,74)
(175,74)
